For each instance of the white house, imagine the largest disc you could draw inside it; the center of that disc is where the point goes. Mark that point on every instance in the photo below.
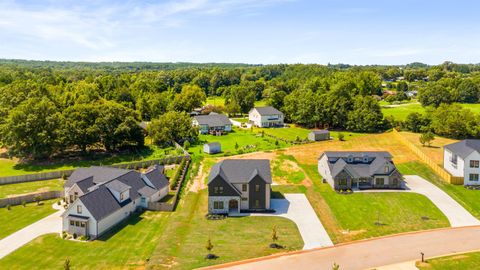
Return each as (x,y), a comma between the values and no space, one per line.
(462,159)
(101,197)
(266,117)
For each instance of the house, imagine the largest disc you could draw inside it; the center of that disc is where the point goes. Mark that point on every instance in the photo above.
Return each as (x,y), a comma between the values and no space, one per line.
(212,148)
(319,135)
(462,159)
(101,197)
(236,185)
(212,123)
(266,117)
(412,93)
(359,170)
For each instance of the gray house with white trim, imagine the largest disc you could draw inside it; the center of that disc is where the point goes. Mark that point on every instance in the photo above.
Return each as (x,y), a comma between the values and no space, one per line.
(462,159)
(266,116)
(212,124)
(101,197)
(359,170)
(236,185)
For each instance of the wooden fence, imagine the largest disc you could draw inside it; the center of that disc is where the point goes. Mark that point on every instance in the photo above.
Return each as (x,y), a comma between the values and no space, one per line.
(170,207)
(40,196)
(305,141)
(426,159)
(66,173)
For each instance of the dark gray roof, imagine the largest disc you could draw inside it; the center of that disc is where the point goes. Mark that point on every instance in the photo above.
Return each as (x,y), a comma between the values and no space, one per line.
(147,191)
(363,164)
(99,174)
(464,148)
(156,176)
(213,120)
(85,184)
(117,186)
(267,110)
(241,170)
(101,202)
(322,131)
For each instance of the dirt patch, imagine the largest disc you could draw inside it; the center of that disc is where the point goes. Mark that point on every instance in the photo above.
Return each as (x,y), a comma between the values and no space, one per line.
(256,155)
(198,182)
(353,233)
(43,189)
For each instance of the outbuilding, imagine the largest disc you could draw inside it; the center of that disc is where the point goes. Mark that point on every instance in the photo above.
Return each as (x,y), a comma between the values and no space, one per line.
(319,135)
(212,148)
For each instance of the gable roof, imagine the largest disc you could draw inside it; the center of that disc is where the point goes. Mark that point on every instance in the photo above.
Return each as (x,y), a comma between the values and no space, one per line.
(85,184)
(241,170)
(321,131)
(156,177)
(464,148)
(213,144)
(213,120)
(364,164)
(99,174)
(267,110)
(101,202)
(117,186)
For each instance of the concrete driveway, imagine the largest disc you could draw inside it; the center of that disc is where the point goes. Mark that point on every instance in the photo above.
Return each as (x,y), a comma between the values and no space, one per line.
(49,224)
(297,208)
(456,214)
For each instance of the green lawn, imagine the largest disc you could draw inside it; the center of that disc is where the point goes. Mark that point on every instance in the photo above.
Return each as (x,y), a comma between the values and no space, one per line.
(128,247)
(469,199)
(246,140)
(241,120)
(454,262)
(30,187)
(352,217)
(283,170)
(292,132)
(19,217)
(220,101)
(182,245)
(401,112)
(10,167)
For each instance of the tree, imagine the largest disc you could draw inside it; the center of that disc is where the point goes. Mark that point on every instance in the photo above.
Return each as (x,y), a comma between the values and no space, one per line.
(239,97)
(172,126)
(434,95)
(31,129)
(274,235)
(402,86)
(191,97)
(467,92)
(453,121)
(335,266)
(78,127)
(426,138)
(366,115)
(209,248)
(341,137)
(186,145)
(66,264)
(416,122)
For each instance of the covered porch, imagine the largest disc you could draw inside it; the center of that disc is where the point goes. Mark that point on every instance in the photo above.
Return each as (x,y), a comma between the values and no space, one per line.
(78,225)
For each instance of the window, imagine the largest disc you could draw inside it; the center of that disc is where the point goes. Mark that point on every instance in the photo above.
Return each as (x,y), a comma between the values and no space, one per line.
(122,195)
(244,187)
(473,177)
(453,159)
(218,190)
(257,188)
(72,223)
(217,205)
(342,182)
(77,223)
(474,164)
(387,169)
(244,199)
(82,224)
(142,200)
(380,181)
(79,209)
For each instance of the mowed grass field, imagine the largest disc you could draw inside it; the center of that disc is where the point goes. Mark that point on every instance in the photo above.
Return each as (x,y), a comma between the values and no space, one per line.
(401,111)
(19,217)
(220,101)
(435,150)
(293,131)
(246,140)
(11,167)
(454,262)
(30,187)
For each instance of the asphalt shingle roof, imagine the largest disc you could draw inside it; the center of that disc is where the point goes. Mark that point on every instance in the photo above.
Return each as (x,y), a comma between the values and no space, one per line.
(464,148)
(267,110)
(156,176)
(241,170)
(101,203)
(117,186)
(322,131)
(338,161)
(99,174)
(213,120)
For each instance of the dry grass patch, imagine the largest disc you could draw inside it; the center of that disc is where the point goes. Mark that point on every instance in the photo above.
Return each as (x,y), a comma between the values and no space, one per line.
(435,151)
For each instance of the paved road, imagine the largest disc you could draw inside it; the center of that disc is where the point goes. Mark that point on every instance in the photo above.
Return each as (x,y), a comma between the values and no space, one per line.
(49,224)
(372,253)
(297,208)
(456,214)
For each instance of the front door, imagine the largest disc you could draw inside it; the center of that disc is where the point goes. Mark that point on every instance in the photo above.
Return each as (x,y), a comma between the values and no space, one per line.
(233,205)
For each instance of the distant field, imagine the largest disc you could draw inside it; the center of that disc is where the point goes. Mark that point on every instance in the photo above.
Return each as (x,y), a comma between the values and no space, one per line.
(292,132)
(220,101)
(401,111)
(30,187)
(10,167)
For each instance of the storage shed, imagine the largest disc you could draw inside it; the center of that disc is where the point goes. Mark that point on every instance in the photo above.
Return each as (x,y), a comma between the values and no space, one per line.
(319,135)
(212,148)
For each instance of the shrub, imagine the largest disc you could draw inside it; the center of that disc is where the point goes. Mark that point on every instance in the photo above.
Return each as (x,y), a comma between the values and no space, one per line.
(64,176)
(83,238)
(8,206)
(37,200)
(24,203)
(64,234)
(186,145)
(341,137)
(59,202)
(74,236)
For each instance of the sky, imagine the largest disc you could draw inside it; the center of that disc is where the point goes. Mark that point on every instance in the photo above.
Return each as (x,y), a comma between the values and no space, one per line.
(356,32)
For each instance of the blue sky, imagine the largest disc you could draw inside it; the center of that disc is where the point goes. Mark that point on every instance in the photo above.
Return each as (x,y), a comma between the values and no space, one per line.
(246,31)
